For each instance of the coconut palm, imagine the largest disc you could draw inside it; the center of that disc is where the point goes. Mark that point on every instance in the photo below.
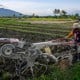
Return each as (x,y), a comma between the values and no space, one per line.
(56,12)
(63,12)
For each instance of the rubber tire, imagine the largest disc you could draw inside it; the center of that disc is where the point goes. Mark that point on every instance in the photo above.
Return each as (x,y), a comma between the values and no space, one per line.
(7,50)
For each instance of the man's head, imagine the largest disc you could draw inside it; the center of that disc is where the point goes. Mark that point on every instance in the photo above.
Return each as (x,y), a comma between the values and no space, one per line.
(76,25)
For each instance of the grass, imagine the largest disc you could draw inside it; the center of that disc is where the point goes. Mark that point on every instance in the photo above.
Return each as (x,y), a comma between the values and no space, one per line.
(46,19)
(73,73)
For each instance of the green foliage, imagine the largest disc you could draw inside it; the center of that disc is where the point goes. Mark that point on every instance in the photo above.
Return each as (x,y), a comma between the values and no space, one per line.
(73,73)
(6,76)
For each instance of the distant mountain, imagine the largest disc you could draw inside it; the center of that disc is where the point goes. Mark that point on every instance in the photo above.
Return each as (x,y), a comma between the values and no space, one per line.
(8,12)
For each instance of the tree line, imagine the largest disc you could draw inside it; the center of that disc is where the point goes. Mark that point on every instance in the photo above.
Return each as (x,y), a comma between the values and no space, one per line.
(63,13)
(57,13)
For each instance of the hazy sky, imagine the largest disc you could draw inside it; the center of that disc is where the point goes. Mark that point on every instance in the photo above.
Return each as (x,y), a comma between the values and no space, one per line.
(40,7)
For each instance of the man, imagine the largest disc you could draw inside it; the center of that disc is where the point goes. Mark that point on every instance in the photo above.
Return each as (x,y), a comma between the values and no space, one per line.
(76,36)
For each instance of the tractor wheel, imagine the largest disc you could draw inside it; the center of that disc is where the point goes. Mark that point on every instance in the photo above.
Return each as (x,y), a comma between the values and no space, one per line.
(7,50)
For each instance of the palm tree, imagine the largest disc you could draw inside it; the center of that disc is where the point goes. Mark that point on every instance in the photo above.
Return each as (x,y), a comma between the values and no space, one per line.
(63,13)
(56,12)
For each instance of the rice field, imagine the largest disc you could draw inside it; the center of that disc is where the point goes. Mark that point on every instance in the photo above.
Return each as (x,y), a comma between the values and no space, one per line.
(39,30)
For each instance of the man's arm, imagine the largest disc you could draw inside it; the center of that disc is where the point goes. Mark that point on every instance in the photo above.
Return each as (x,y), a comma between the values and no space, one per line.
(69,35)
